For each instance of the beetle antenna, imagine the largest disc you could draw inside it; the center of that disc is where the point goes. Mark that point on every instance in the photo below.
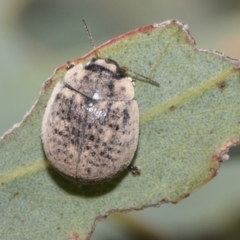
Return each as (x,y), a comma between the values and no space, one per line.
(90,37)
(147,79)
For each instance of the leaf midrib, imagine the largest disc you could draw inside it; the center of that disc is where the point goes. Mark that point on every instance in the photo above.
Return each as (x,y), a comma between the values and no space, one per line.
(147,116)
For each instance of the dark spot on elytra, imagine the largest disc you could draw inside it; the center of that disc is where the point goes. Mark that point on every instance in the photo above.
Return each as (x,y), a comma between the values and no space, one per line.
(126,116)
(109,157)
(123,89)
(89,126)
(88,147)
(85,78)
(66,101)
(100,130)
(111,86)
(74,130)
(91,138)
(117,128)
(93,154)
(71,156)
(79,120)
(58,96)
(109,105)
(102,153)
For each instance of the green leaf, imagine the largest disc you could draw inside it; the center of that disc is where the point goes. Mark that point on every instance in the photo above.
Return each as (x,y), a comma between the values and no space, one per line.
(186,125)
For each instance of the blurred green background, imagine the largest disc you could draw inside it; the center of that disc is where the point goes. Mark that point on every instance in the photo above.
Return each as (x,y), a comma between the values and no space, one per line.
(36,36)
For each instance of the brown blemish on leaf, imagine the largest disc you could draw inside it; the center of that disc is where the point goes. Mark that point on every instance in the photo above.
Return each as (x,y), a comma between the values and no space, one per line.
(180,199)
(189,39)
(214,172)
(173,107)
(237,66)
(186,195)
(222,86)
(15,194)
(74,236)
(222,154)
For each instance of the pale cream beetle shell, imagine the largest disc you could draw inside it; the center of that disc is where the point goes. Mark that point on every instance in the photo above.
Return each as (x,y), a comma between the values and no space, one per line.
(90,128)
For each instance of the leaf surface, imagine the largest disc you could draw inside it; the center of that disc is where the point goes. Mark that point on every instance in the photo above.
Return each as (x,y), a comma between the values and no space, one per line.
(186,128)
